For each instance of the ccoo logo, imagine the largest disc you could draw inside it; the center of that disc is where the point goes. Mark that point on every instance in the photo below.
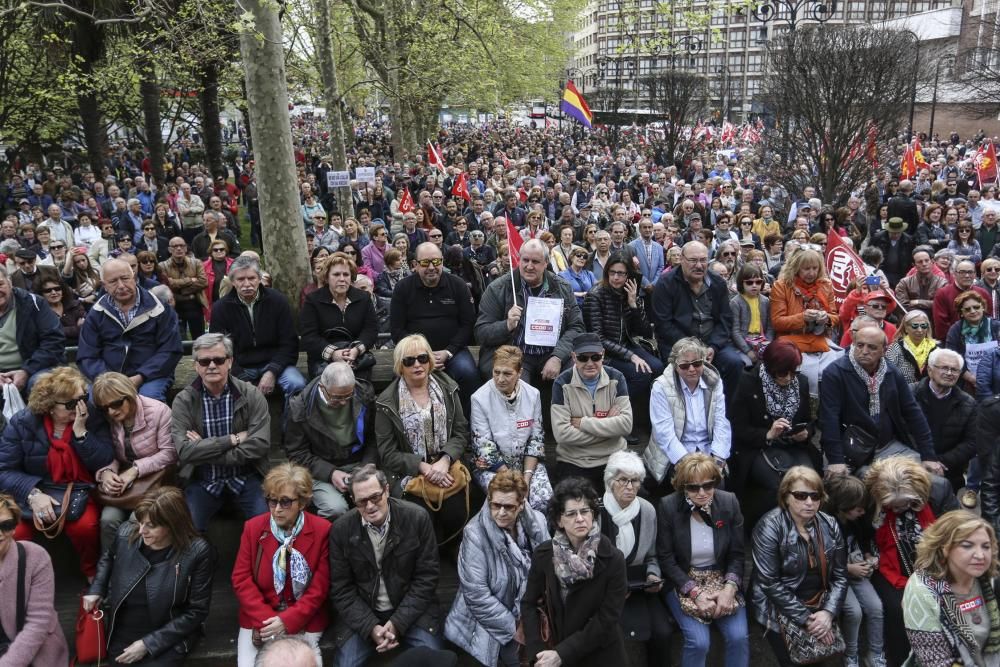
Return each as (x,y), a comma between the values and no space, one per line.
(844,268)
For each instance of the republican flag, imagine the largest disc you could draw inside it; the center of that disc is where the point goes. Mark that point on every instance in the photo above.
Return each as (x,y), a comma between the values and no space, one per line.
(918,156)
(574,105)
(406,202)
(843,266)
(908,167)
(461,188)
(434,157)
(986,164)
(514,242)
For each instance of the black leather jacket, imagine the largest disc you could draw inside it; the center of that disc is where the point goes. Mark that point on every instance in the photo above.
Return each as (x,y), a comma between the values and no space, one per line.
(780,564)
(987,435)
(179,597)
(607,314)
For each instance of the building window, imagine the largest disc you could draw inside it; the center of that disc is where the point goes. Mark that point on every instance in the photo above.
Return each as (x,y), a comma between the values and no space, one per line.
(737,38)
(856,11)
(736,62)
(755,62)
(899,9)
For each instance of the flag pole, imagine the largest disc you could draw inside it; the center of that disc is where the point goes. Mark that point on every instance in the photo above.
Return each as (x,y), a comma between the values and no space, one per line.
(510,262)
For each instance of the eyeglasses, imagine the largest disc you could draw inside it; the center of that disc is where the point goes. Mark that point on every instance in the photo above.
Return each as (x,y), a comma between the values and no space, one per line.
(991,269)
(148,229)
(147,261)
(630,482)
(113,405)
(177,245)
(617,274)
(338,398)
(503,507)
(685,365)
(948,370)
(876,306)
(370,500)
(205,362)
(218,250)
(284,503)
(52,290)
(802,496)
(71,404)
(8,526)
(971,309)
(696,260)
(572,514)
(424,263)
(704,486)
(753,281)
(59,246)
(422,358)
(919,325)
(587,358)
(434,236)
(727,254)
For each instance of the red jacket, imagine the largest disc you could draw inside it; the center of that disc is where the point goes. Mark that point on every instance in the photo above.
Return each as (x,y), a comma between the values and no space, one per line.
(255,591)
(888,556)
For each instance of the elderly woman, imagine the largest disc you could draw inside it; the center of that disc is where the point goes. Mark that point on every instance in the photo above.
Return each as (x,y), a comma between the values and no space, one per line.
(771,427)
(282,572)
(144,450)
(421,435)
(907,500)
(975,335)
(804,311)
(800,570)
(912,346)
(964,243)
(700,548)
(577,581)
(579,277)
(55,442)
(507,433)
(630,522)
(677,432)
(31,633)
(155,584)
(752,327)
(949,606)
(63,303)
(493,564)
(338,321)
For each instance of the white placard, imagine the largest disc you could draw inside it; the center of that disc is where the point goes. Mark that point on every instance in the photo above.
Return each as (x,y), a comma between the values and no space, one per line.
(976,352)
(366,174)
(543,321)
(338,179)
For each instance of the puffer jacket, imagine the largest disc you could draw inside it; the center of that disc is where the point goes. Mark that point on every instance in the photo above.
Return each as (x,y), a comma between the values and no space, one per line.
(150,438)
(781,560)
(179,592)
(509,428)
(491,582)
(607,314)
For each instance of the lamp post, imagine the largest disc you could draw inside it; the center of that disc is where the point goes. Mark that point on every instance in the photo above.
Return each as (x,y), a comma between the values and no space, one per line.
(798,11)
(690,43)
(724,90)
(949,62)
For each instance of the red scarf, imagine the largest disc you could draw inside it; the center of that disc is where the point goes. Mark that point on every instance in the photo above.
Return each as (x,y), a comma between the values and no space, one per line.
(812,294)
(63,462)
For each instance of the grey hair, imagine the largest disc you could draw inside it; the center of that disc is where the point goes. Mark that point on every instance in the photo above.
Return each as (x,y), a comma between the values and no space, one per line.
(535,244)
(133,201)
(939,352)
(242,263)
(626,462)
(685,345)
(282,650)
(365,473)
(161,292)
(205,341)
(9,247)
(337,374)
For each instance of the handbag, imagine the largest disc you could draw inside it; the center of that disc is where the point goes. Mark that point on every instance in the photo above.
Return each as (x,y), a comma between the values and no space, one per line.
(803,648)
(75,497)
(340,338)
(133,494)
(709,581)
(434,496)
(22,608)
(859,445)
(91,636)
(544,632)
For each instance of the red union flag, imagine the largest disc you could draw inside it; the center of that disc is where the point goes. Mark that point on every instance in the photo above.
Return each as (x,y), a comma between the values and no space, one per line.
(986,164)
(514,242)
(461,188)
(406,202)
(843,266)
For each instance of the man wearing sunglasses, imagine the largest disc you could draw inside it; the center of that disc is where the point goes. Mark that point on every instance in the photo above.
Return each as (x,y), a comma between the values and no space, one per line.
(591,413)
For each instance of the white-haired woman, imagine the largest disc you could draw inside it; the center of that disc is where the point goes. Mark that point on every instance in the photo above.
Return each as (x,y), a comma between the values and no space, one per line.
(630,522)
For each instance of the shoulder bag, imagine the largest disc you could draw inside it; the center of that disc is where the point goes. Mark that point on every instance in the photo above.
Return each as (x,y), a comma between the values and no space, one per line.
(91,636)
(22,607)
(74,498)
(858,445)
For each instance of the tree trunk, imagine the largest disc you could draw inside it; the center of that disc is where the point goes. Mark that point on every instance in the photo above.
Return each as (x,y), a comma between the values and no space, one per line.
(149,89)
(284,242)
(89,45)
(331,96)
(211,126)
(396,126)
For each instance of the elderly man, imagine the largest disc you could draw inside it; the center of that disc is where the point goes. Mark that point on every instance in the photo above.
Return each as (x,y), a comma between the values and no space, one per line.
(186,278)
(918,290)
(591,413)
(862,390)
(951,416)
(213,232)
(506,319)
(31,338)
(897,249)
(190,208)
(649,254)
(130,331)
(259,321)
(59,228)
(438,305)
(695,302)
(330,431)
(383,573)
(221,429)
(944,312)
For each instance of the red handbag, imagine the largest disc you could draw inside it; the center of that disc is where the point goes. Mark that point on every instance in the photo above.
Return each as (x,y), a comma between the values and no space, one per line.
(91,637)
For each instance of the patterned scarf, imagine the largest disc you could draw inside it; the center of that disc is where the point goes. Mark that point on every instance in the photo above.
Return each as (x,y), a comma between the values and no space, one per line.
(705,512)
(296,562)
(623,519)
(873,383)
(571,566)
(811,294)
(780,401)
(426,434)
(977,333)
(955,631)
(907,531)
(920,351)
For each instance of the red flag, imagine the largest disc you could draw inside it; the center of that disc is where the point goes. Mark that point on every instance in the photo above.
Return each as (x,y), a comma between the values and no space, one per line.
(461,188)
(986,164)
(918,156)
(514,242)
(843,266)
(908,167)
(505,159)
(434,157)
(406,202)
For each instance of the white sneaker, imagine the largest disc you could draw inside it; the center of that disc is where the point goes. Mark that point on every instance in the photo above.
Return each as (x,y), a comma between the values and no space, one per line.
(877,660)
(852,661)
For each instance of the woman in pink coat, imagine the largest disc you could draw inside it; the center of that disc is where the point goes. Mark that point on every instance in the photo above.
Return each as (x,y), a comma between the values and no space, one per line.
(40,641)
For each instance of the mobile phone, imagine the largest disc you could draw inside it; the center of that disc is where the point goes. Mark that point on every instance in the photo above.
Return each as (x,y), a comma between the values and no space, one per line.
(873,281)
(798,428)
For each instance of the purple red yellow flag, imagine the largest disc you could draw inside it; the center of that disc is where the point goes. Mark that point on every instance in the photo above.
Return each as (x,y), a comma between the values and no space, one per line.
(574,105)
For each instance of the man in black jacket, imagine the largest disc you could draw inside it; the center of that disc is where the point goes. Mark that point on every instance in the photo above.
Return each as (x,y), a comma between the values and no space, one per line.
(904,206)
(897,249)
(259,321)
(383,573)
(31,338)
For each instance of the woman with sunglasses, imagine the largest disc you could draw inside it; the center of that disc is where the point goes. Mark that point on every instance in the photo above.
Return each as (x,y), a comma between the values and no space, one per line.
(40,639)
(907,500)
(744,229)
(912,346)
(57,440)
(422,433)
(353,252)
(216,270)
(752,328)
(964,243)
(155,584)
(975,335)
(579,277)
(63,303)
(140,435)
(282,572)
(800,565)
(700,551)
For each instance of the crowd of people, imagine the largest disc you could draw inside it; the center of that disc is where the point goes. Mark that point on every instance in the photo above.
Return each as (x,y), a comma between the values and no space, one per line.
(815,458)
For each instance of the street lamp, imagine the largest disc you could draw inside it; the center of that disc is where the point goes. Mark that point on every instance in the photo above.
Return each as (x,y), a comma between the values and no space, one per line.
(690,43)
(724,89)
(798,11)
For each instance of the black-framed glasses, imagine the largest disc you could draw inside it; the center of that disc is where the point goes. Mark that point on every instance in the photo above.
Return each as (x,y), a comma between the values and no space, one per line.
(876,306)
(919,325)
(617,274)
(704,486)
(421,358)
(113,405)
(424,263)
(370,500)
(71,404)
(587,358)
(205,362)
(8,526)
(218,250)
(503,507)
(52,290)
(582,512)
(972,308)
(685,365)
(60,246)
(631,482)
(284,503)
(802,496)
(753,281)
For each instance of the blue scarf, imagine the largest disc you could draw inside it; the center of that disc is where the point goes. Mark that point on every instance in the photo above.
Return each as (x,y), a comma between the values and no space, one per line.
(299,568)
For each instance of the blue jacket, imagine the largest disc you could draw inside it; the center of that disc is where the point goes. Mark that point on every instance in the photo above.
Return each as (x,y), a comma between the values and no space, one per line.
(673,311)
(843,401)
(149,346)
(24,450)
(988,376)
(650,271)
(40,339)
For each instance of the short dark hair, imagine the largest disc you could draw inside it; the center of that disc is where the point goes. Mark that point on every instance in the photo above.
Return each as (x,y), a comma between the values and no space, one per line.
(571,488)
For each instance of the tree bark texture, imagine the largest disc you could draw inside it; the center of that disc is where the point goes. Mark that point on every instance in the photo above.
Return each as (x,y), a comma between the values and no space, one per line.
(211,126)
(89,44)
(331,97)
(284,242)
(149,89)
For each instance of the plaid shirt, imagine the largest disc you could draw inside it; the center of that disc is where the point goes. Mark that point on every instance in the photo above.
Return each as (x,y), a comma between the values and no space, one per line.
(125,315)
(218,421)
